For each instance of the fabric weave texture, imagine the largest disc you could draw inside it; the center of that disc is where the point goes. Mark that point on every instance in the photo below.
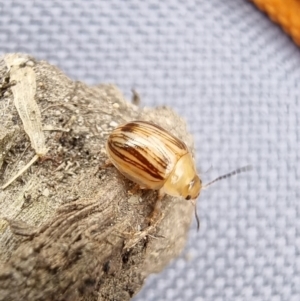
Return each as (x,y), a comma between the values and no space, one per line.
(234,76)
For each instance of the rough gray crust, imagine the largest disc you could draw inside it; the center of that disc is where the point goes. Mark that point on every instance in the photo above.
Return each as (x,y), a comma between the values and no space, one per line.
(67,230)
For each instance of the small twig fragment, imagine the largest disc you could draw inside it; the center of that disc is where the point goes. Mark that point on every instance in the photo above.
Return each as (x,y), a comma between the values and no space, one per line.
(34,159)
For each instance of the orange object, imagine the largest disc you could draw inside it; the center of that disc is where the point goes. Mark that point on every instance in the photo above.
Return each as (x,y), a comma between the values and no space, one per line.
(284,12)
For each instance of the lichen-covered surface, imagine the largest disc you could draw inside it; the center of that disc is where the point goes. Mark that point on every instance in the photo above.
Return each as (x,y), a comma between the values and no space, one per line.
(69,231)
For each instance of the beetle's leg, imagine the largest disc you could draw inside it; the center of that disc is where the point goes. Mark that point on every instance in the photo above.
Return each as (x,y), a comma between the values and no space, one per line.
(107,163)
(134,189)
(156,213)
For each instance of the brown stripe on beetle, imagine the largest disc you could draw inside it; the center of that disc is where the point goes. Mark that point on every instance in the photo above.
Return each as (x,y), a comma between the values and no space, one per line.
(139,156)
(147,169)
(135,127)
(163,162)
(168,136)
(145,165)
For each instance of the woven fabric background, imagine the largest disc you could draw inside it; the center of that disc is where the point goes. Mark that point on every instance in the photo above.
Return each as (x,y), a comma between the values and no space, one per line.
(234,76)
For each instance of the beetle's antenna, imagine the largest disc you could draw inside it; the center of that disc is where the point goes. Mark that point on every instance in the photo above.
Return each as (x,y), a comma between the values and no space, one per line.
(196,215)
(228,175)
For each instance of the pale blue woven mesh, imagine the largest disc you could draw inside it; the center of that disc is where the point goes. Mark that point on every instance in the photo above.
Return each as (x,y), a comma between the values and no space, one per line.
(234,75)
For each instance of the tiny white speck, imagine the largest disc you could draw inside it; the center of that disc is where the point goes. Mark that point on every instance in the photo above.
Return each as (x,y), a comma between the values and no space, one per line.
(30,64)
(46,192)
(113,124)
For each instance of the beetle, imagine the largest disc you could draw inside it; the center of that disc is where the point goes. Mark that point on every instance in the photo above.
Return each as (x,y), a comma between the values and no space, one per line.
(153,158)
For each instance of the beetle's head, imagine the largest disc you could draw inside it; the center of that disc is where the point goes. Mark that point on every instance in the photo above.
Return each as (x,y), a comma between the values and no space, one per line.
(192,189)
(184,181)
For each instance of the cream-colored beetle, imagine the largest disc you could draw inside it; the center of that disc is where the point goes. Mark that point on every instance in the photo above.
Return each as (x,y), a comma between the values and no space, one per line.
(154,159)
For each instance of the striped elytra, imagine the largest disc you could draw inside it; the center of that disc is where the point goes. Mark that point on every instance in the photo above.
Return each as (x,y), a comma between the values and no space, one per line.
(154,159)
